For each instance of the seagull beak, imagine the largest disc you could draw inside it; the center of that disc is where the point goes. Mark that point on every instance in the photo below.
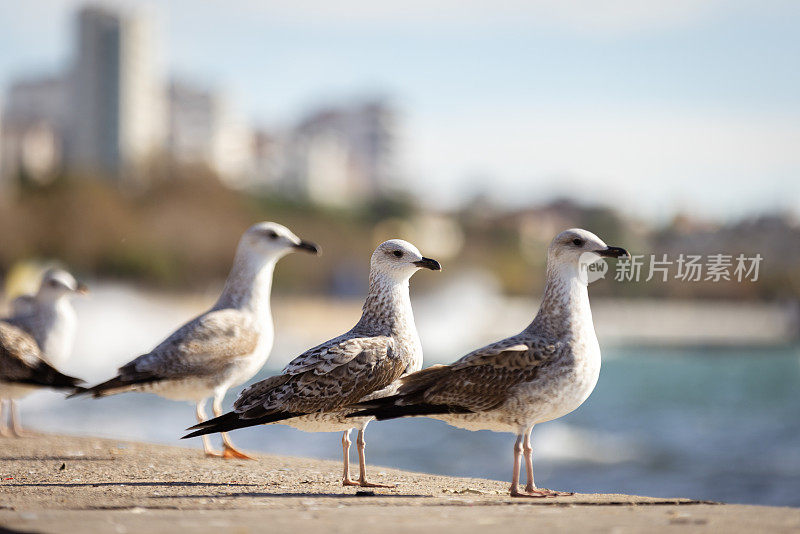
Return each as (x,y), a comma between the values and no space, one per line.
(428,263)
(82,289)
(613,252)
(307,246)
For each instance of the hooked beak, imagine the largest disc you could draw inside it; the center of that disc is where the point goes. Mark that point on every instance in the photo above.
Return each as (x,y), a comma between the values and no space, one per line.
(428,263)
(613,252)
(82,289)
(307,246)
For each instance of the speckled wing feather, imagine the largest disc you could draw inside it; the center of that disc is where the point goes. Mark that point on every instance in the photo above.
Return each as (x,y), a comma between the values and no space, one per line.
(336,352)
(21,362)
(480,381)
(201,347)
(18,353)
(330,376)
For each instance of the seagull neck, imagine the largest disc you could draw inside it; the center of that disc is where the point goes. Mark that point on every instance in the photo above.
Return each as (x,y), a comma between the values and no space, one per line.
(249,284)
(564,311)
(53,327)
(387,308)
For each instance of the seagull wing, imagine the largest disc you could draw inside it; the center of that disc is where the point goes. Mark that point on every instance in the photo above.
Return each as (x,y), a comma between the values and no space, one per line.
(23,305)
(339,351)
(24,315)
(201,347)
(21,361)
(480,381)
(325,378)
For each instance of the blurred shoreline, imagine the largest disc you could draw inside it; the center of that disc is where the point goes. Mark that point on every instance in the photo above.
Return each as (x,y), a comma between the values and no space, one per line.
(119,321)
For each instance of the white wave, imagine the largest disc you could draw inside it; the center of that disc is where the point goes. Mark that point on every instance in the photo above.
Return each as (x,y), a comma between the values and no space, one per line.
(560,441)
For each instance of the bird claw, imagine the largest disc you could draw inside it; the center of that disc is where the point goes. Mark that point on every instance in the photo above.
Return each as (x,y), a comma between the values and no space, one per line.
(229,453)
(535,494)
(548,492)
(349,482)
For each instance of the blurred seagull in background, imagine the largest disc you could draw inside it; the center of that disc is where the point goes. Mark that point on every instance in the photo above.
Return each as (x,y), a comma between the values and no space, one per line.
(314,388)
(49,319)
(538,375)
(224,347)
(49,316)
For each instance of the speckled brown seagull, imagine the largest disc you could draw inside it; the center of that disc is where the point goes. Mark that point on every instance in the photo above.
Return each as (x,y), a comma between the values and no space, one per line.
(365,362)
(23,369)
(226,345)
(538,375)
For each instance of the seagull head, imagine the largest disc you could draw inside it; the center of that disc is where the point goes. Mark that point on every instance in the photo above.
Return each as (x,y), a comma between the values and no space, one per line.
(569,247)
(58,283)
(272,240)
(398,260)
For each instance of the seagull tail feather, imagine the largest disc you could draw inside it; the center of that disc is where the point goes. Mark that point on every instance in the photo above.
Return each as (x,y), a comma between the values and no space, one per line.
(47,376)
(118,384)
(233,420)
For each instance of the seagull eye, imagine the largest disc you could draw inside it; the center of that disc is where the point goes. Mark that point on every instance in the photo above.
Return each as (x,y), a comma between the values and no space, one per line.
(272,234)
(578,242)
(398,254)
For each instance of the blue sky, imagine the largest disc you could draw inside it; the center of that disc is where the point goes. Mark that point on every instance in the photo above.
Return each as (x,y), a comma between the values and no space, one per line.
(653,106)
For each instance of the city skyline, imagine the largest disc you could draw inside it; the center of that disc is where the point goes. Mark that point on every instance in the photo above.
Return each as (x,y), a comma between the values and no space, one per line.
(111,112)
(681,106)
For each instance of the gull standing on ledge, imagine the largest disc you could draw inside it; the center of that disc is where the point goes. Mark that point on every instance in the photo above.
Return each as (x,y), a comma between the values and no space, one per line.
(49,318)
(314,388)
(223,347)
(538,375)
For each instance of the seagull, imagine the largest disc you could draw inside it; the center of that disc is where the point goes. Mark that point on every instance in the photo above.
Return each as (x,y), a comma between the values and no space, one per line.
(543,373)
(49,318)
(312,391)
(223,347)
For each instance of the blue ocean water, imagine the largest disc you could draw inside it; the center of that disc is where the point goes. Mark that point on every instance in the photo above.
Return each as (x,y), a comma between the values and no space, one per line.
(718,424)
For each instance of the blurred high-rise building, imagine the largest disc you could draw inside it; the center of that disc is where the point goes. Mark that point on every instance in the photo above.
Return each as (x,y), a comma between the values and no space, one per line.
(203,128)
(343,154)
(117,119)
(33,129)
(268,161)
(110,114)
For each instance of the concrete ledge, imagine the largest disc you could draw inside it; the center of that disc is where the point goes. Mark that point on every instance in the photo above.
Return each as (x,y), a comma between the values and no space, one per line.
(54,483)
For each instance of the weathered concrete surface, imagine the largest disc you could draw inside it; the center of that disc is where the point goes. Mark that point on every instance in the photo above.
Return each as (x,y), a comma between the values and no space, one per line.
(69,484)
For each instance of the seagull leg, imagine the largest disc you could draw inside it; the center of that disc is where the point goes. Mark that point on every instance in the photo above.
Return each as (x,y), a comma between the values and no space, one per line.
(228,450)
(201,417)
(4,430)
(527,450)
(346,480)
(362,464)
(514,491)
(16,423)
(531,486)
